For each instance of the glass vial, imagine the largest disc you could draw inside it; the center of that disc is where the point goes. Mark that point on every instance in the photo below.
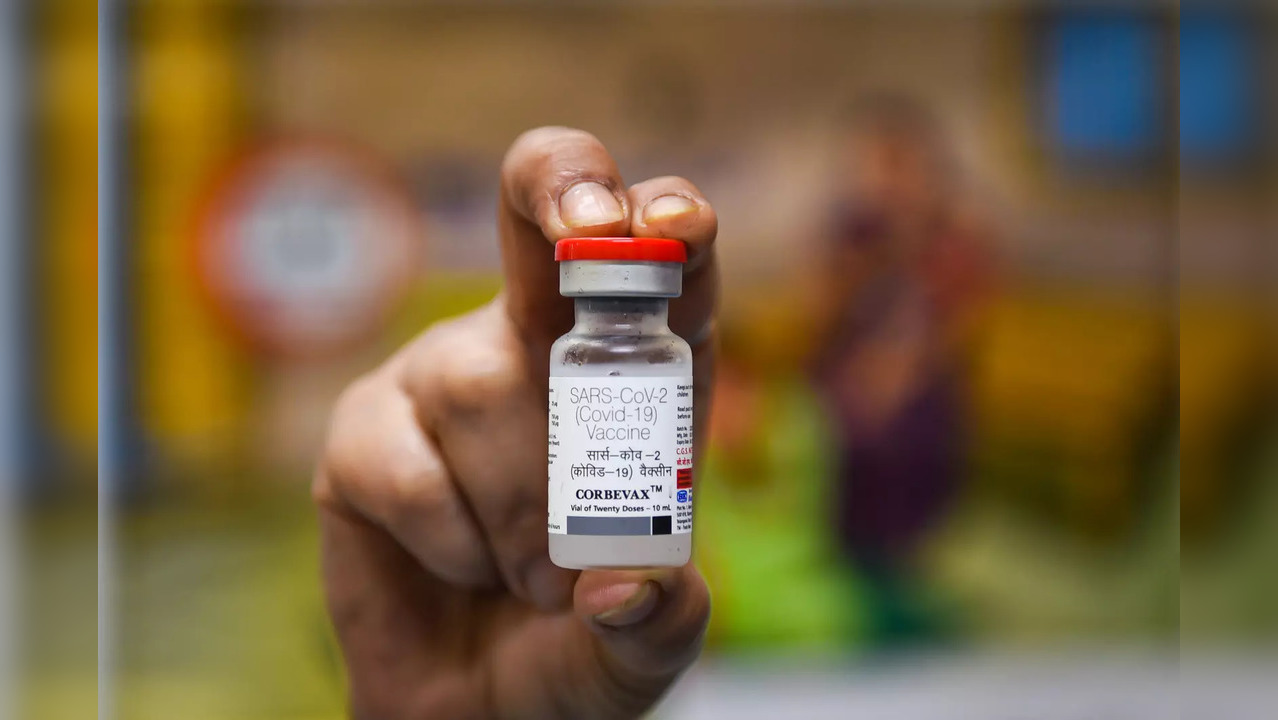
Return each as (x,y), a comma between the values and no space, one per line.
(620,444)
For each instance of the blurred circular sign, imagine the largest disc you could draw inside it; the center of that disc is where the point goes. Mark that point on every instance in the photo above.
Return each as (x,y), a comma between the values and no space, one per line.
(306,247)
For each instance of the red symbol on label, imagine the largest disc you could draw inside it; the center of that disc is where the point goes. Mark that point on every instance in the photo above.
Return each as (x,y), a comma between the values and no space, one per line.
(684,478)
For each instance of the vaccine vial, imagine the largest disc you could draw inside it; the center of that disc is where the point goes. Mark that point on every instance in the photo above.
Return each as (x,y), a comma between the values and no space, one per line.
(620,445)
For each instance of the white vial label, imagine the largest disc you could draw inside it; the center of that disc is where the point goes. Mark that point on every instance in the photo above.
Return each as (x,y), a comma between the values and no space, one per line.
(620,456)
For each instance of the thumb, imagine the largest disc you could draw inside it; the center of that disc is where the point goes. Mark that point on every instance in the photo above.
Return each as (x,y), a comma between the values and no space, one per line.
(648,624)
(555,183)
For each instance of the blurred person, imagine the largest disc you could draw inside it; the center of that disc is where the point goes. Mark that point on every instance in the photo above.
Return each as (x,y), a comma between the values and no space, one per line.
(765,541)
(902,281)
(432,487)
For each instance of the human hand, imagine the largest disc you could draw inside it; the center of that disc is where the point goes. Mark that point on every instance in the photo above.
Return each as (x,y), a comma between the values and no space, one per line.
(432,486)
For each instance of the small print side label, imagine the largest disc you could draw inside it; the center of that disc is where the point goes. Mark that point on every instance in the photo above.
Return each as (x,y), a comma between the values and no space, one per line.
(620,456)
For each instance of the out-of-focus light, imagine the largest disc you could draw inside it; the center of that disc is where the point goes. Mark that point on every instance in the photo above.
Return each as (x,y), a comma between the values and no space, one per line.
(1102,100)
(1219,80)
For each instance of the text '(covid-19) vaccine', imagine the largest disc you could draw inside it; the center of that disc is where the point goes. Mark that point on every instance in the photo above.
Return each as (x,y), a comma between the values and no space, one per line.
(620,450)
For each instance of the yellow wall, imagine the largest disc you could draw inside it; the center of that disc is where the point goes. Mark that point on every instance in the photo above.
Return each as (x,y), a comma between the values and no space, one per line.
(190,107)
(67,218)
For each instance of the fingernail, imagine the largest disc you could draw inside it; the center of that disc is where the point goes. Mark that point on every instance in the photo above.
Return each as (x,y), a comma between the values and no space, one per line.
(587,204)
(547,584)
(667,206)
(635,608)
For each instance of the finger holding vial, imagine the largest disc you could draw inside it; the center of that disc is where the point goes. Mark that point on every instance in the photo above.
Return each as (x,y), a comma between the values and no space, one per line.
(672,207)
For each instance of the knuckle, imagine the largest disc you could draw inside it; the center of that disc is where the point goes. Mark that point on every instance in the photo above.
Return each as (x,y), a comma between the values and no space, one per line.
(464,367)
(356,399)
(415,487)
(369,454)
(422,368)
(341,446)
(478,378)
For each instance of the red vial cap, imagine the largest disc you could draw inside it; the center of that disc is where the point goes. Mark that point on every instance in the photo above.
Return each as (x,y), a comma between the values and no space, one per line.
(622,248)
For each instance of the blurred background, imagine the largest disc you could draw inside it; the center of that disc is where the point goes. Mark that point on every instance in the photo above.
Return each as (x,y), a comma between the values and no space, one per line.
(993,273)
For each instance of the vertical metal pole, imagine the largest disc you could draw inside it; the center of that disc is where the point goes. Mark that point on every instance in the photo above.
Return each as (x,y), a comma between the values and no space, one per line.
(13,393)
(114,408)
